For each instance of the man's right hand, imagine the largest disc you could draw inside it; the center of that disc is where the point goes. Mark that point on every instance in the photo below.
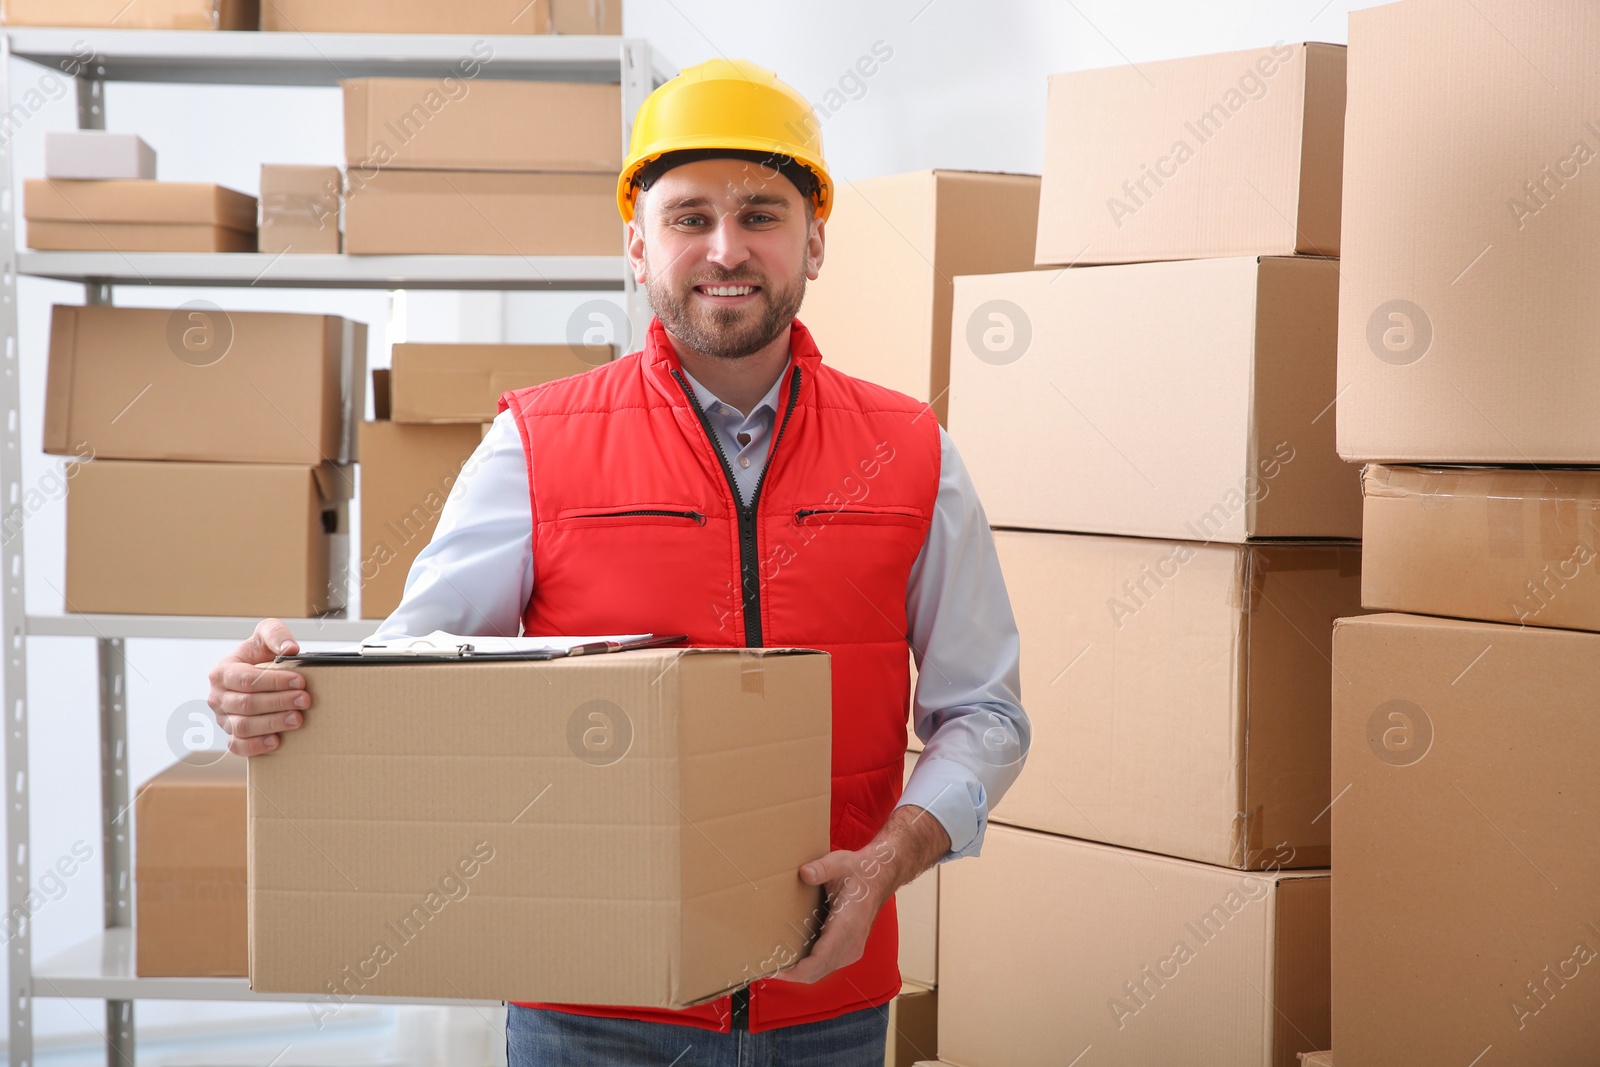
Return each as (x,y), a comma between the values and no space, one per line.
(255,705)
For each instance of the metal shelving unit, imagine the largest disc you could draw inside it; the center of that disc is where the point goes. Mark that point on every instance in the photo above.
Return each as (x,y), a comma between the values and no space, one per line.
(101,967)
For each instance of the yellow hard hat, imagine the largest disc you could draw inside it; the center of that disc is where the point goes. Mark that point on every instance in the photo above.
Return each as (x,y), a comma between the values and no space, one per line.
(727,104)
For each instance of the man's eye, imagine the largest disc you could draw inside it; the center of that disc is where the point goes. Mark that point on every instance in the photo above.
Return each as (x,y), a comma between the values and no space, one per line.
(692,220)
(761,218)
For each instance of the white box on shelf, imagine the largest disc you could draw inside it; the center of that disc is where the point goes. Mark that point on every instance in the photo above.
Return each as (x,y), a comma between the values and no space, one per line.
(96,154)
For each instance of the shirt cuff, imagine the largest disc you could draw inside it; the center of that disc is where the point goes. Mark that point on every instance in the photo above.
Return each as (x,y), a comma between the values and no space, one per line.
(952,794)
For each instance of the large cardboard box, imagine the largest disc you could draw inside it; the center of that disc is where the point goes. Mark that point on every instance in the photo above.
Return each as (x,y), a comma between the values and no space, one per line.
(300,209)
(917,905)
(406,16)
(97,155)
(1221,155)
(134,14)
(1517,546)
(138,216)
(881,308)
(463,383)
(189,869)
(618,829)
(482,124)
(1050,946)
(1186,400)
(1464,910)
(406,475)
(416,212)
(173,538)
(590,17)
(913,1026)
(1465,321)
(201,383)
(1178,693)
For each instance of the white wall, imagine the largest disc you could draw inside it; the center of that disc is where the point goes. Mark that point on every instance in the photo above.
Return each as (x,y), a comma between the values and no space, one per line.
(963,87)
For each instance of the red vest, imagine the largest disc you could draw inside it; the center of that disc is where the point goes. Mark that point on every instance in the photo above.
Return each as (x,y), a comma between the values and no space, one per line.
(636,528)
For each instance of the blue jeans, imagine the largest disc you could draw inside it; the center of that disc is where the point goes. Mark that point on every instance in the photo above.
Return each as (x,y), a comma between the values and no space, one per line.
(537,1037)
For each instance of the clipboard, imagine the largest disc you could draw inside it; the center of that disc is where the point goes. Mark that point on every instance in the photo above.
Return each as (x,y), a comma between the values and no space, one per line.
(448,648)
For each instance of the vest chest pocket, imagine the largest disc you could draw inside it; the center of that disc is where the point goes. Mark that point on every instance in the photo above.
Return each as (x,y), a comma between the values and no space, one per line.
(858,515)
(685,515)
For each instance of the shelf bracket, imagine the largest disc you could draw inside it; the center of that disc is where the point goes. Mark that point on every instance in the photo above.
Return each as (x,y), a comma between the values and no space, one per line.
(115,820)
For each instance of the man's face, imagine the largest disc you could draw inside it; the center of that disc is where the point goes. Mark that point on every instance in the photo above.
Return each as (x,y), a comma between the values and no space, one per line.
(724,248)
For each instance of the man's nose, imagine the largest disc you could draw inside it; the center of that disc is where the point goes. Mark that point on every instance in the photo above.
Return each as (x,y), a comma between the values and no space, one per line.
(727,247)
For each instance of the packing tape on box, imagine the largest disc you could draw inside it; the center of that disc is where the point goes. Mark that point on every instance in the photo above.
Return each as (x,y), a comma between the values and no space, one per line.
(297,209)
(752,673)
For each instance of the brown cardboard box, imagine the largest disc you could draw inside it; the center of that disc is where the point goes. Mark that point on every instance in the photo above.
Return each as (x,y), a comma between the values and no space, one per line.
(204,384)
(134,14)
(1221,155)
(1049,946)
(1178,693)
(913,1026)
(189,873)
(300,209)
(881,308)
(172,538)
(1517,546)
(463,383)
(591,17)
(618,829)
(1468,304)
(404,212)
(483,124)
(1185,400)
(131,215)
(917,906)
(406,475)
(1464,911)
(406,16)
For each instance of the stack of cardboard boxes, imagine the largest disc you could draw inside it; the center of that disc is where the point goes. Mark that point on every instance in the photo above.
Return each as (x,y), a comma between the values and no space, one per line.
(1464,916)
(326,16)
(432,407)
(1153,439)
(433,166)
(212,453)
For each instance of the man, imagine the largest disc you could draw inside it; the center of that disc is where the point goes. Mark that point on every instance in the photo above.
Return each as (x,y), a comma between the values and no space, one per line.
(727,484)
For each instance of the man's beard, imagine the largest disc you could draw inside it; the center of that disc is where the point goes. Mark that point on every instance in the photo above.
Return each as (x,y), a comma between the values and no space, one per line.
(726,333)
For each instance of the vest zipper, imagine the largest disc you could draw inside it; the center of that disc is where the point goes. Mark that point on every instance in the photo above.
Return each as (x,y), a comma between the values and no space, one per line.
(695,515)
(749,574)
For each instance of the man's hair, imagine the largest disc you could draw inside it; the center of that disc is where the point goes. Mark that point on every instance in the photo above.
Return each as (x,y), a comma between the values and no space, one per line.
(799,175)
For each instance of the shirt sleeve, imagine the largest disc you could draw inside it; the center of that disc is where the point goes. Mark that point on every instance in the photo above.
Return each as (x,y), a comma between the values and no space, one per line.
(967,707)
(476,574)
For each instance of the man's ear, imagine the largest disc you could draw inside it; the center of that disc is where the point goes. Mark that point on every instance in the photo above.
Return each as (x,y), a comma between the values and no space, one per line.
(814,249)
(636,255)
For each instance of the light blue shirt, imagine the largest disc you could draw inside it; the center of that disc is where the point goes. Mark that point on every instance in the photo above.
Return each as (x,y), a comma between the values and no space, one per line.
(966,709)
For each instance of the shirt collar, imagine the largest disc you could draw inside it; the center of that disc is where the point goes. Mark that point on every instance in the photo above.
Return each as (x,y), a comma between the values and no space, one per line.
(710,401)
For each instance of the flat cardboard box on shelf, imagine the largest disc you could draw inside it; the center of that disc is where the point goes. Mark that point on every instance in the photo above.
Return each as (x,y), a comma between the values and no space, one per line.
(422,212)
(138,216)
(483,124)
(300,209)
(1178,693)
(616,829)
(1206,156)
(917,905)
(407,16)
(1465,321)
(1515,546)
(134,14)
(189,869)
(176,538)
(1464,912)
(97,155)
(881,309)
(1183,400)
(444,383)
(1148,959)
(913,1026)
(198,383)
(406,474)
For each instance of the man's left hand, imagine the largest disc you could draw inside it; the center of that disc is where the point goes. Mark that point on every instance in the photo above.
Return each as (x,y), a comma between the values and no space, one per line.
(857,884)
